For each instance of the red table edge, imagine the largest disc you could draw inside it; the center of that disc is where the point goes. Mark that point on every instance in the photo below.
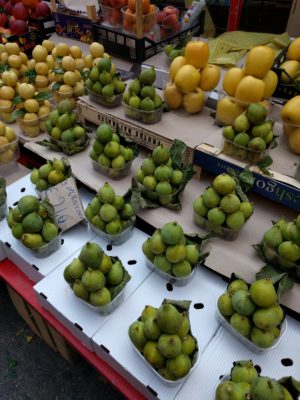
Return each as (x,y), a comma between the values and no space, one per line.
(13,276)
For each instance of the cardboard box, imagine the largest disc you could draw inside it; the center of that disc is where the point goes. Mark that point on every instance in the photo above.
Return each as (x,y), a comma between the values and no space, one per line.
(45,26)
(113,344)
(26,42)
(57,297)
(41,327)
(293,27)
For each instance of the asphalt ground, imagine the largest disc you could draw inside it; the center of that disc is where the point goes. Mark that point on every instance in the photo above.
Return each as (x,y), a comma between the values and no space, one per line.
(31,370)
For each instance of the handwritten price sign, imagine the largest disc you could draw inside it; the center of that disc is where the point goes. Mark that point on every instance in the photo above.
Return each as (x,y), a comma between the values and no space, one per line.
(66,202)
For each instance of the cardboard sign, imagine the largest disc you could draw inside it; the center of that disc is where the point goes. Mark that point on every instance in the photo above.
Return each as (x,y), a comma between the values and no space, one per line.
(65,199)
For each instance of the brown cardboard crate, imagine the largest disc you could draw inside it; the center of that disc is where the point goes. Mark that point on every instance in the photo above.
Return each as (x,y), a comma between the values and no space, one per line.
(64,349)
(41,324)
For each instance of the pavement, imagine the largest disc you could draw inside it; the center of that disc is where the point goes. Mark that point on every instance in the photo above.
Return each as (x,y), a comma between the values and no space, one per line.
(31,370)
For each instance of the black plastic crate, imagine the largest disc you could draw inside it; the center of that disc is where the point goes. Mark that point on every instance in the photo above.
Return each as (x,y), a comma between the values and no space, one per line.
(46,26)
(137,50)
(284,90)
(26,42)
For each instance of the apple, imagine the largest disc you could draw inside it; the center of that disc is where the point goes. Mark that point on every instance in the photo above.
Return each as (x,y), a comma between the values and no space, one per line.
(18,26)
(170,20)
(3,19)
(2,3)
(8,8)
(177,27)
(20,12)
(42,10)
(16,1)
(160,16)
(171,10)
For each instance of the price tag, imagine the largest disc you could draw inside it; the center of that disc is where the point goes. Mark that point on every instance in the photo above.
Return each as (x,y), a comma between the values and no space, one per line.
(65,199)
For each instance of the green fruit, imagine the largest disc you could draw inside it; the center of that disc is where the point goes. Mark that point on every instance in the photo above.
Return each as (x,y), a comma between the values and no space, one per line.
(241,323)
(134,102)
(112,149)
(105,78)
(228,390)
(273,237)
(152,355)
(106,193)
(55,177)
(242,139)
(228,133)
(42,185)
(182,269)
(104,161)
(257,144)
(148,76)
(48,125)
(28,204)
(163,189)
(263,292)
(235,220)
(269,137)
(59,165)
(224,184)
(179,366)
(104,65)
(199,207)
(32,223)
(67,275)
(172,233)
(163,173)
(262,338)
(32,240)
(104,133)
(68,136)
(151,328)
(115,274)
(148,312)
(242,303)
(243,371)
(49,231)
(53,118)
(175,253)
(108,90)
(157,244)
(106,264)
(147,104)
(146,248)
(148,91)
(119,86)
(108,212)
(93,280)
(174,53)
(241,123)
(95,205)
(148,166)
(150,182)
(169,345)
(127,153)
(98,222)
(230,203)
(192,254)
(169,318)
(237,284)
(44,171)
(64,106)
(269,317)
(91,255)
(127,211)
(34,176)
(119,202)
(80,291)
(162,263)
(176,177)
(289,251)
(113,227)
(9,219)
(94,74)
(265,388)
(188,345)
(168,48)
(135,87)
(225,305)
(211,198)
(17,230)
(16,215)
(64,121)
(246,208)
(216,216)
(126,97)
(290,231)
(261,130)
(256,113)
(97,87)
(158,103)
(101,297)
(76,269)
(137,335)
(161,155)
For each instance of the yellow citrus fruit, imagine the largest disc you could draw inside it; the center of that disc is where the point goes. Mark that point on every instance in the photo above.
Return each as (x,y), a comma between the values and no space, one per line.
(96,60)
(16,71)
(14,61)
(42,126)
(54,52)
(56,133)
(10,134)
(113,69)
(6,117)
(50,61)
(41,81)
(53,77)
(2,48)
(76,51)
(2,128)
(7,93)
(4,58)
(48,44)
(47,104)
(41,68)
(12,48)
(70,78)
(31,131)
(31,105)
(9,78)
(62,49)
(30,119)
(31,63)
(65,91)
(5,105)
(24,57)
(23,69)
(96,49)
(43,112)
(79,64)
(78,76)
(7,156)
(106,55)
(39,53)
(20,106)
(3,141)
(68,63)
(26,91)
(88,60)
(78,89)
(294,140)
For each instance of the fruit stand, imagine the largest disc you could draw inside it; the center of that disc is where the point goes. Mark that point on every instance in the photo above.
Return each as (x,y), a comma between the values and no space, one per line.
(117,238)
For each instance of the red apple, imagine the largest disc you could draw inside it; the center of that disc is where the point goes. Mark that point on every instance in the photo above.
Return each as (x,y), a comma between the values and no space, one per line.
(170,20)
(8,8)
(3,19)
(18,26)
(177,27)
(42,10)
(160,16)
(171,10)
(16,1)
(2,3)
(20,12)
